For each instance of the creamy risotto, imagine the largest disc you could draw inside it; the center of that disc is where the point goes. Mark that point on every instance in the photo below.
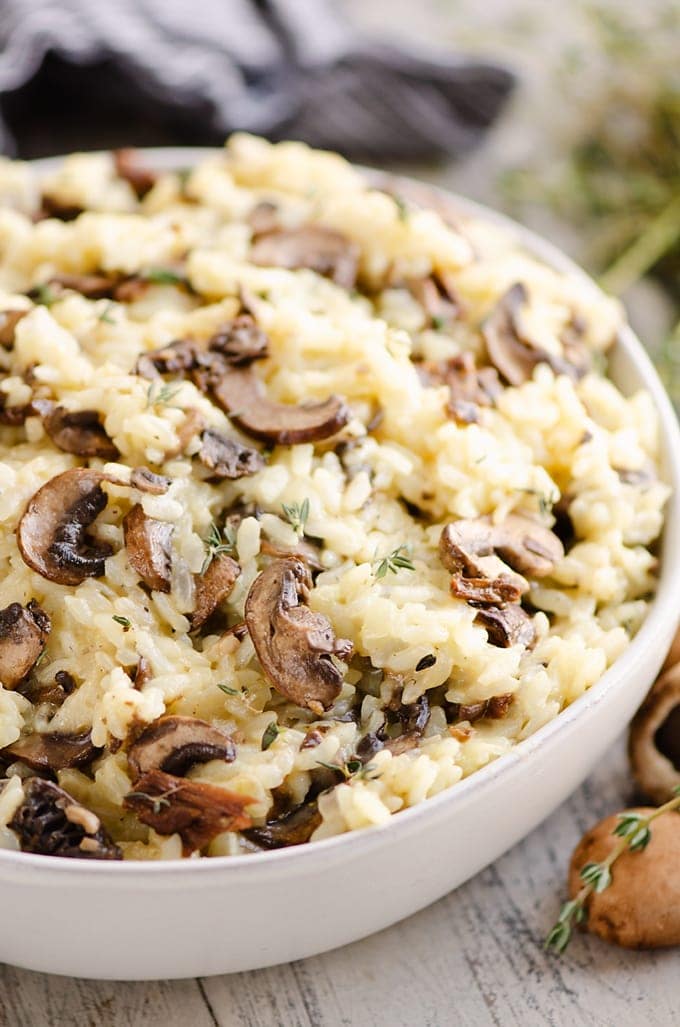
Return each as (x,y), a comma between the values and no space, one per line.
(313,501)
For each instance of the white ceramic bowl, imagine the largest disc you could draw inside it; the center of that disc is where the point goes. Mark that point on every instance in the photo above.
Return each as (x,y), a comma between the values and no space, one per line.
(132,921)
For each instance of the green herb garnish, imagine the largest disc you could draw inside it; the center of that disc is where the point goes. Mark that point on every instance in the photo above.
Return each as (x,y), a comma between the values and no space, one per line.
(634,833)
(353,767)
(296,514)
(43,295)
(123,621)
(105,315)
(399,557)
(218,542)
(160,394)
(163,276)
(228,690)
(271,734)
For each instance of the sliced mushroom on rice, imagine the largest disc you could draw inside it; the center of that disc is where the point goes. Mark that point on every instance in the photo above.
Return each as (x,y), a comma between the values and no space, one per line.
(148,545)
(508,346)
(295,827)
(240,341)
(228,458)
(148,481)
(52,750)
(294,645)
(469,387)
(320,249)
(79,432)
(195,810)
(438,297)
(526,545)
(52,533)
(495,708)
(23,635)
(212,587)
(244,399)
(129,166)
(176,358)
(51,823)
(507,625)
(9,319)
(174,744)
(92,286)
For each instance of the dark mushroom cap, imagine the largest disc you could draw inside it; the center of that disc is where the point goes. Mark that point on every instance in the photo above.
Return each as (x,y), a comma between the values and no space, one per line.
(228,458)
(195,810)
(294,827)
(51,823)
(495,708)
(174,744)
(79,432)
(469,387)
(509,625)
(320,249)
(654,740)
(213,587)
(527,545)
(175,358)
(293,644)
(23,633)
(52,533)
(147,481)
(243,397)
(94,287)
(438,297)
(52,751)
(240,341)
(148,548)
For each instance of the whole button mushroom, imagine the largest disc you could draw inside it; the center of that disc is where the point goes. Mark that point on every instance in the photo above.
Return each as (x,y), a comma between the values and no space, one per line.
(654,740)
(641,906)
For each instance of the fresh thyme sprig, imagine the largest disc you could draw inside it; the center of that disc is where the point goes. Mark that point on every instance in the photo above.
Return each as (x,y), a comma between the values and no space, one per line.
(125,622)
(272,732)
(218,542)
(353,767)
(634,833)
(43,294)
(163,276)
(160,394)
(399,557)
(296,514)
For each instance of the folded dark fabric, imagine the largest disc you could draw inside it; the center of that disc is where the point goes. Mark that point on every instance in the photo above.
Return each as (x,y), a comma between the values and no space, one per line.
(85,73)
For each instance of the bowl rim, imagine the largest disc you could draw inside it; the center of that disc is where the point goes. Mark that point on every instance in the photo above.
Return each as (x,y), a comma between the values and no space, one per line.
(661,610)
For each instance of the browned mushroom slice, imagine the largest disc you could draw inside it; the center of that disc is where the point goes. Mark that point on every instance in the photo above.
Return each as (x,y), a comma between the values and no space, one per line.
(14,416)
(320,249)
(94,286)
(654,741)
(469,387)
(51,823)
(53,207)
(293,828)
(197,811)
(502,589)
(527,545)
(510,351)
(243,397)
(130,167)
(148,547)
(495,708)
(438,297)
(23,634)
(147,481)
(508,626)
(52,533)
(79,432)
(240,341)
(52,751)
(131,289)
(294,645)
(175,358)
(9,319)
(173,744)
(228,458)
(213,587)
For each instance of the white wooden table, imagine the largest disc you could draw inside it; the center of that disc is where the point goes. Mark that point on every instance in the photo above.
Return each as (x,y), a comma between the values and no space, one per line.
(472,959)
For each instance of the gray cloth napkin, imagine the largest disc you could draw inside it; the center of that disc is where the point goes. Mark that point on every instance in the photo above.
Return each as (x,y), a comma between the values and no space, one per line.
(201,69)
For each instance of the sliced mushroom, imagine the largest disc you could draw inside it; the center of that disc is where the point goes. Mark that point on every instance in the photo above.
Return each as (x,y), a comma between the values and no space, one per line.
(23,634)
(52,750)
(294,645)
(510,625)
(654,741)
(469,387)
(94,287)
(174,744)
(175,358)
(438,297)
(53,207)
(51,823)
(244,399)
(509,349)
(14,416)
(52,533)
(496,707)
(320,249)
(212,587)
(147,481)
(292,828)
(228,458)
(466,548)
(148,547)
(241,341)
(491,591)
(197,811)
(130,167)
(9,319)
(528,546)
(80,432)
